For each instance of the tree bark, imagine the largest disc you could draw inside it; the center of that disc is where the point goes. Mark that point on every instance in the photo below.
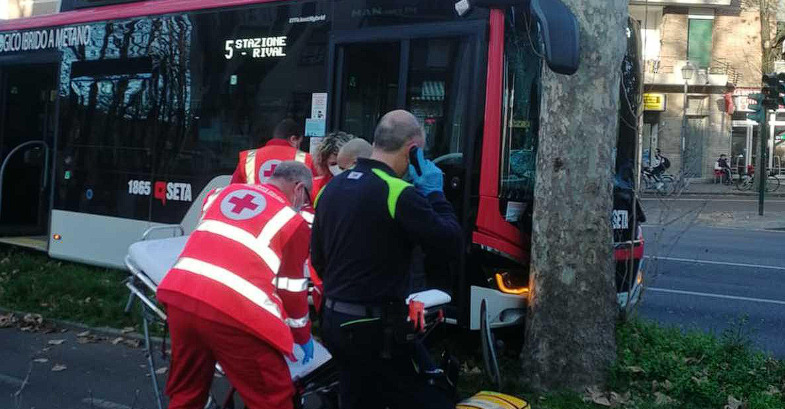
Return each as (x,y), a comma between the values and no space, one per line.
(570,338)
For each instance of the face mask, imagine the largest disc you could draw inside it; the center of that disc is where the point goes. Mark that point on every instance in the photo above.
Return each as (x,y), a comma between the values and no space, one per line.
(298,206)
(335,170)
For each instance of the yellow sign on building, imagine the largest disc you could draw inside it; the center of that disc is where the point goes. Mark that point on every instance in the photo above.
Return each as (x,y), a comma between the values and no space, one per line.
(653,102)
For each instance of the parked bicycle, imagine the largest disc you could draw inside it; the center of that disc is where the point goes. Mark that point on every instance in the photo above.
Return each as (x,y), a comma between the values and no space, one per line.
(747,181)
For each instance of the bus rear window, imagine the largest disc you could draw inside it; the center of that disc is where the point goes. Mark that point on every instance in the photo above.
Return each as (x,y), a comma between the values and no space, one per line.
(520,108)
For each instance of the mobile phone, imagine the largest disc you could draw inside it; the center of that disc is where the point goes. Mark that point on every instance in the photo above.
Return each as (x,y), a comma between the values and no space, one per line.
(414,160)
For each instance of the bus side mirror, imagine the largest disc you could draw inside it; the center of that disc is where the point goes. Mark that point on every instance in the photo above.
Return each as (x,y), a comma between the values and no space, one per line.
(560,35)
(558,29)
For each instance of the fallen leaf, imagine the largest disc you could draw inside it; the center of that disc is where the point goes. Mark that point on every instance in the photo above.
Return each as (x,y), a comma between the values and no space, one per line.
(85,340)
(34,319)
(63,331)
(83,334)
(733,403)
(668,385)
(772,391)
(161,371)
(127,330)
(7,320)
(662,399)
(617,399)
(700,381)
(133,343)
(635,369)
(117,340)
(59,367)
(595,395)
(28,328)
(40,360)
(56,341)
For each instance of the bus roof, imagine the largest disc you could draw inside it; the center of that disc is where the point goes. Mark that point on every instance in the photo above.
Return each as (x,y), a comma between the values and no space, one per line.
(120,11)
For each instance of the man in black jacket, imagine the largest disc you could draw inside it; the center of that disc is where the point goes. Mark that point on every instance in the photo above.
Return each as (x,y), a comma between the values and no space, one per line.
(367,222)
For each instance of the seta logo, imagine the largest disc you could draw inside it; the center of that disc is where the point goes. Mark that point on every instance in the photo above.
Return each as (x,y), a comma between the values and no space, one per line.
(179,192)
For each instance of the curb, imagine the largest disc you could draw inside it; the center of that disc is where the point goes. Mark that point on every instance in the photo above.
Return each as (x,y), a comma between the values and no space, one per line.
(76,326)
(713,194)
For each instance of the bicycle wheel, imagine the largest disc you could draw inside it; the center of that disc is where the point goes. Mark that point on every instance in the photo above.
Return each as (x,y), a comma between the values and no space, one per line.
(772,183)
(668,185)
(745,183)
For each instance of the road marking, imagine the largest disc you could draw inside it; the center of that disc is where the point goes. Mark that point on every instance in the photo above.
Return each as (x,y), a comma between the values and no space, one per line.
(722,263)
(711,199)
(104,404)
(11,381)
(720,296)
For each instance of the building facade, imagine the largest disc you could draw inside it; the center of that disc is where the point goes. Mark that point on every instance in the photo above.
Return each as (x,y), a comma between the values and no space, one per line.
(701,60)
(11,9)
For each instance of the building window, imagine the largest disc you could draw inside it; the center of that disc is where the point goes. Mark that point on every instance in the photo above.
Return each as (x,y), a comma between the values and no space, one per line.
(699,41)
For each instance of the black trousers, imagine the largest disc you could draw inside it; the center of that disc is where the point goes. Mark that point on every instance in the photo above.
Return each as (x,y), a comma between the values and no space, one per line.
(368,381)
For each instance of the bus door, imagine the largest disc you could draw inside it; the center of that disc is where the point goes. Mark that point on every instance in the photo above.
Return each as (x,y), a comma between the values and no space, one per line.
(27,106)
(436,72)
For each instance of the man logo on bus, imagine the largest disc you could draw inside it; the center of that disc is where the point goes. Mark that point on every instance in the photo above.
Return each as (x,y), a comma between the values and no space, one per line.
(267,169)
(243,204)
(179,192)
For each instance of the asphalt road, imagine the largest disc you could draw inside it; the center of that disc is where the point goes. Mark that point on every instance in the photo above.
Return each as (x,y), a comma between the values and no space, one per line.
(96,376)
(713,278)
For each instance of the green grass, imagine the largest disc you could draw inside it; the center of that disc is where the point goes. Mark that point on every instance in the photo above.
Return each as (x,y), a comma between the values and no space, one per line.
(693,370)
(32,282)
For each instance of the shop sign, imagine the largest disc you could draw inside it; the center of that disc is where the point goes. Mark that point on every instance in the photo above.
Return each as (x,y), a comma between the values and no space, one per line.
(653,102)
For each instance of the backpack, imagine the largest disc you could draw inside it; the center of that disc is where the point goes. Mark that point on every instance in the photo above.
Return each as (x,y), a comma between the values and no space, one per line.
(666,163)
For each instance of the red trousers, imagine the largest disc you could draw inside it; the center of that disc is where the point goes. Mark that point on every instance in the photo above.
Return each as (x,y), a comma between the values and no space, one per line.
(256,369)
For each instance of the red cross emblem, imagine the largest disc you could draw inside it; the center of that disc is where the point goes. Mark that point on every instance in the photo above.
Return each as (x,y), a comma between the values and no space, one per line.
(243,204)
(267,169)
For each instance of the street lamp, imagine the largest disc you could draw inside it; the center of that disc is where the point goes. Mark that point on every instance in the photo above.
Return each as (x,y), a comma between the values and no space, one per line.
(686,73)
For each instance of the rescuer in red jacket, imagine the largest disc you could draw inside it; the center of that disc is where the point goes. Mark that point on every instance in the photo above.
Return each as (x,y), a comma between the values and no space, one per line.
(257,165)
(238,293)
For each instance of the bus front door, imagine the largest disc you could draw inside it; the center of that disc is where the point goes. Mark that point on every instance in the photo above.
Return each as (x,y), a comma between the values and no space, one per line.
(27,101)
(435,72)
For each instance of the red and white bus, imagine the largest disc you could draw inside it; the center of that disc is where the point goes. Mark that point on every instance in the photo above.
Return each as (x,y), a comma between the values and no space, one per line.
(116,117)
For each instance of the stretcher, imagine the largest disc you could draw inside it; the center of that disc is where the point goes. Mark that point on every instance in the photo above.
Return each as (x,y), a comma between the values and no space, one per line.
(316,382)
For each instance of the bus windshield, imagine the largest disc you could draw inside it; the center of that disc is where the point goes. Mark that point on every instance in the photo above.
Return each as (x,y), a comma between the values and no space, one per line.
(520,109)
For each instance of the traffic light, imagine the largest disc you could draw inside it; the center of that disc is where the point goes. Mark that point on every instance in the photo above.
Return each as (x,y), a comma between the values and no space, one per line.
(772,88)
(759,114)
(781,78)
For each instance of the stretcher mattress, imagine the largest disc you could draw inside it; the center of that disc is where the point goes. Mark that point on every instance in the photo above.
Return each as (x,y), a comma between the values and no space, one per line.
(156,257)
(430,298)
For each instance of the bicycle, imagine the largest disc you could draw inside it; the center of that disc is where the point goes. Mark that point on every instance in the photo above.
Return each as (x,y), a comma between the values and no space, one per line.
(663,183)
(747,182)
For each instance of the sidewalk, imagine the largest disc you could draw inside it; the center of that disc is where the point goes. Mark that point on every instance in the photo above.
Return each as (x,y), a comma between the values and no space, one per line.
(710,189)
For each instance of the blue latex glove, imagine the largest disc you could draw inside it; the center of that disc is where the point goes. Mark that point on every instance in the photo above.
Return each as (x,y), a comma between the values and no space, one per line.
(307,350)
(431,180)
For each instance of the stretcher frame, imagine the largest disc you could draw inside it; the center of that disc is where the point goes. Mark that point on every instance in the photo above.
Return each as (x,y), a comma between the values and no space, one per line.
(138,283)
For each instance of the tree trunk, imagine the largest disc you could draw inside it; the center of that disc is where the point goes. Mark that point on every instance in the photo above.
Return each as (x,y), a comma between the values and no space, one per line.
(570,339)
